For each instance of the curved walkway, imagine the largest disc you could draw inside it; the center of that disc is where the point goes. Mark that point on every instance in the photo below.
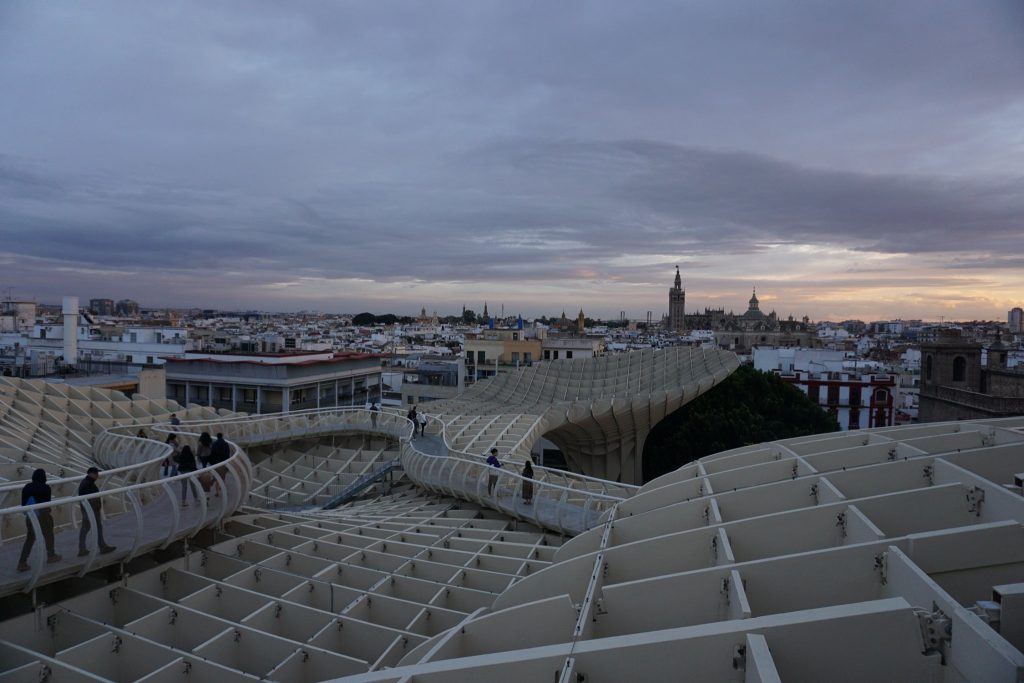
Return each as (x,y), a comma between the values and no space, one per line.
(611,402)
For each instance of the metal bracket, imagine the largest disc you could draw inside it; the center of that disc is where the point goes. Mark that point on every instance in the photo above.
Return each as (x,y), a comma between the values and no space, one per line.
(714,547)
(814,493)
(172,616)
(929,474)
(882,566)
(841,523)
(892,453)
(936,629)
(115,644)
(975,497)
(739,658)
(44,673)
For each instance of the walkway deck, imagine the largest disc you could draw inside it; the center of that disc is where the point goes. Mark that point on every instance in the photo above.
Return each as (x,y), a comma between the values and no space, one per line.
(121,530)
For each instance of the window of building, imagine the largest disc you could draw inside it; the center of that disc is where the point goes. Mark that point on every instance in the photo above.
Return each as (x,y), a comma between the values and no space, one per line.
(881,396)
(568,354)
(547,354)
(959,369)
(515,358)
(928,369)
(481,357)
(528,357)
(149,360)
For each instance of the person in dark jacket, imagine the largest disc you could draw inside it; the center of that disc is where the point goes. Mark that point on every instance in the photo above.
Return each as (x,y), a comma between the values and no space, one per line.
(219,452)
(492,477)
(37,491)
(88,486)
(170,464)
(528,483)
(187,463)
(204,449)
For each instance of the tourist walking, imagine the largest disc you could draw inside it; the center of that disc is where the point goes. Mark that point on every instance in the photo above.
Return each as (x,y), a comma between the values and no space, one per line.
(186,464)
(528,483)
(35,492)
(492,477)
(141,434)
(86,487)
(174,420)
(219,452)
(170,463)
(204,449)
(423,424)
(374,412)
(415,420)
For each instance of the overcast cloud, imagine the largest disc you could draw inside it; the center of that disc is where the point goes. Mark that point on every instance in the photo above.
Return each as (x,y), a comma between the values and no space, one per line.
(849,159)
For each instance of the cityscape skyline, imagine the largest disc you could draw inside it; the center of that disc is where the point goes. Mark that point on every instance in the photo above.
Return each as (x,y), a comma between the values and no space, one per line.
(387,157)
(497,310)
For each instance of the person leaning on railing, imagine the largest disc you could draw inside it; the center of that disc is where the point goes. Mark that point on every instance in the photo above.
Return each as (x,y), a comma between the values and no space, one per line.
(492,478)
(219,452)
(528,483)
(204,449)
(37,491)
(186,464)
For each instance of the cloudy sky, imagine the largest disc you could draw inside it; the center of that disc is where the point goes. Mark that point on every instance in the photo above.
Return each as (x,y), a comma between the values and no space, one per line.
(849,159)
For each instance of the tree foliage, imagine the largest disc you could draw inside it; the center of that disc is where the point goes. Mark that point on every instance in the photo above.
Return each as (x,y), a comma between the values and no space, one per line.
(747,408)
(363,319)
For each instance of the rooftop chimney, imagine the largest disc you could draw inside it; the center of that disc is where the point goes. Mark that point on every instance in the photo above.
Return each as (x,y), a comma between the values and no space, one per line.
(70,310)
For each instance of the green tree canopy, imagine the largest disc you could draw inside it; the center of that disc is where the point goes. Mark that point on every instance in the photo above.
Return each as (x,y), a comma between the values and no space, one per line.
(363,319)
(747,408)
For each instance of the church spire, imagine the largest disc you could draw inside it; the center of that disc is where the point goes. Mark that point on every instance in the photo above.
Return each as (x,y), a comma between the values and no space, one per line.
(679,280)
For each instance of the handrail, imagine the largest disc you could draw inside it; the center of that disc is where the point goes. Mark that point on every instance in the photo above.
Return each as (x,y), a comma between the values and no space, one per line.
(128,500)
(563,509)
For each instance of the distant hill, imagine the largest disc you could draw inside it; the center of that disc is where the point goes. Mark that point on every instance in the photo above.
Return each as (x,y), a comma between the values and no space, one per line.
(749,407)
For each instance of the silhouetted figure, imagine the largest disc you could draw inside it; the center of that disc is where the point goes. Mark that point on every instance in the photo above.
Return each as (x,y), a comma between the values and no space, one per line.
(492,478)
(35,492)
(528,483)
(85,488)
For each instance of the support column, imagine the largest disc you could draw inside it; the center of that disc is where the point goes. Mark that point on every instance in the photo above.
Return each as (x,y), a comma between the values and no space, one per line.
(286,400)
(259,400)
(234,398)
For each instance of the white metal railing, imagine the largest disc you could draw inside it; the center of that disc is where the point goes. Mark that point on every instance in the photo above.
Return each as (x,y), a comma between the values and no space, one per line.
(561,501)
(548,474)
(140,504)
(147,511)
